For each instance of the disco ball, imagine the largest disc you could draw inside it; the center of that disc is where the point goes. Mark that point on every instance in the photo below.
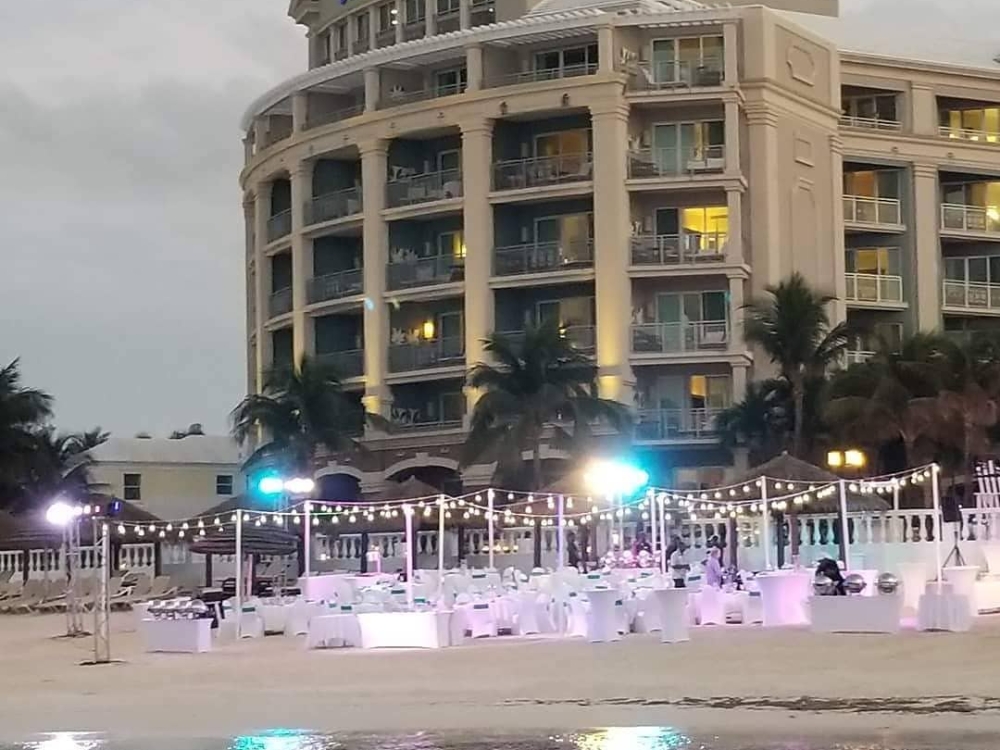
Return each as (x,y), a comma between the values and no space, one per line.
(823,586)
(855,583)
(887,583)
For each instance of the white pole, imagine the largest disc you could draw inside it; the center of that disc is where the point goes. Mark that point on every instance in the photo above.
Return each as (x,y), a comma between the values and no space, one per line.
(621,524)
(561,533)
(844,526)
(408,515)
(441,510)
(936,494)
(653,521)
(490,525)
(765,531)
(663,536)
(307,541)
(238,609)
(895,497)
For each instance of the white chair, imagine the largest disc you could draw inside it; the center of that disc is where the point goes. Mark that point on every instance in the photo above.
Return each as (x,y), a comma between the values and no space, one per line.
(482,623)
(297,618)
(673,608)
(602,616)
(711,606)
(622,614)
(526,619)
(576,616)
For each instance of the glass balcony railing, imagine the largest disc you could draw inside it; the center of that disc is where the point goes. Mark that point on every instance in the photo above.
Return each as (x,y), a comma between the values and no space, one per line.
(335,285)
(870,123)
(870,287)
(542,74)
(280,302)
(440,269)
(674,249)
(971,295)
(333,206)
(969,134)
(279,225)
(858,356)
(959,218)
(398,98)
(424,188)
(676,424)
(405,419)
(580,337)
(859,209)
(337,115)
(346,364)
(540,171)
(423,355)
(542,257)
(680,338)
(673,162)
(678,73)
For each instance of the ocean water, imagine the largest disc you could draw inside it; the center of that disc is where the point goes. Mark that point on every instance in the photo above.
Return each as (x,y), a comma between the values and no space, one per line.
(616,738)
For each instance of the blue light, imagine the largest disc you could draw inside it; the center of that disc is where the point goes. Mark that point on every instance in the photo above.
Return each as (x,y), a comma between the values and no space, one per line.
(270,485)
(615,478)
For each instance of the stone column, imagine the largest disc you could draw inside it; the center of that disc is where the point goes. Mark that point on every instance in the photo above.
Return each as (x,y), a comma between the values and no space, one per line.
(731,52)
(302,262)
(927,246)
(736,313)
(374,165)
(372,89)
(430,17)
(611,251)
(764,196)
(839,312)
(250,258)
(465,14)
(739,383)
(373,27)
(262,209)
(474,67)
(400,21)
(732,136)
(260,128)
(606,49)
(477,218)
(735,251)
(300,111)
(923,110)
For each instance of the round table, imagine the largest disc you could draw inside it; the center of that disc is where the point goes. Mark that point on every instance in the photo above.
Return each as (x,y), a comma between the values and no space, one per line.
(783,597)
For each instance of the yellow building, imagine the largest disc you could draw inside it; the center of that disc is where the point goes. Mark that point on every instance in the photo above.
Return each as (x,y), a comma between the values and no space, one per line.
(635,169)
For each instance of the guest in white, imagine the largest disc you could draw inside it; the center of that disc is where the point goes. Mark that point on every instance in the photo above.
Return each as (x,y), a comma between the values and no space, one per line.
(679,565)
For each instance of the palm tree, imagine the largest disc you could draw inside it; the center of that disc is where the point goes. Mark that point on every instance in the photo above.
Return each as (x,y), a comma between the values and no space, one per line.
(301,410)
(22,412)
(759,422)
(792,327)
(59,464)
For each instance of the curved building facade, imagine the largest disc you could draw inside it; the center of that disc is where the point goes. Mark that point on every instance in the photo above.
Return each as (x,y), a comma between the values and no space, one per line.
(635,169)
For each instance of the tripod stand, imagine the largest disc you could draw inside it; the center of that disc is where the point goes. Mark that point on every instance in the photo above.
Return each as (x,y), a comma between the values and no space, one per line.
(955,555)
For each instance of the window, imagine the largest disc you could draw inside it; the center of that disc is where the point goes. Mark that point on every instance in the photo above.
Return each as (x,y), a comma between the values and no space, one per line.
(414,11)
(224,484)
(132,486)
(451,244)
(709,391)
(876,261)
(567,142)
(566,62)
(449,161)
(340,37)
(362,27)
(973,124)
(572,233)
(685,146)
(453,81)
(696,60)
(691,307)
(978,269)
(871,107)
(386,17)
(872,184)
(705,229)
(447,7)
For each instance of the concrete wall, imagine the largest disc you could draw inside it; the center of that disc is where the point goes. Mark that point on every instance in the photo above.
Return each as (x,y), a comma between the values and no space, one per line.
(170,491)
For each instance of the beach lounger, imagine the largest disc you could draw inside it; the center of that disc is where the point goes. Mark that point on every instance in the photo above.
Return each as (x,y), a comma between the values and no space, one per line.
(162,588)
(29,601)
(30,592)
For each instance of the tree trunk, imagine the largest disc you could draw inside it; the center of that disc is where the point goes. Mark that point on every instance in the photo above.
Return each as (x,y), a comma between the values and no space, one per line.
(536,485)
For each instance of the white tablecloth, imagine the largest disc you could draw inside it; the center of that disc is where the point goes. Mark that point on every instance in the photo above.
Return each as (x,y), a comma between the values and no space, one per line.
(913,577)
(602,616)
(856,614)
(405,629)
(318,588)
(334,630)
(274,616)
(177,636)
(944,611)
(988,595)
(673,605)
(963,582)
(784,595)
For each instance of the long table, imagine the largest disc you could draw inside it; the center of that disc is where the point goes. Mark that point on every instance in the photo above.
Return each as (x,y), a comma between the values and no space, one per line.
(856,614)
(177,636)
(405,629)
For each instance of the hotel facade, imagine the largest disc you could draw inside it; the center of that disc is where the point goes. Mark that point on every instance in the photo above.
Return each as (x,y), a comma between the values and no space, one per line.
(634,169)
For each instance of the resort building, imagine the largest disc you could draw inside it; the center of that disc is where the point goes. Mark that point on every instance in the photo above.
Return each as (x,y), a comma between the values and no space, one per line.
(634,169)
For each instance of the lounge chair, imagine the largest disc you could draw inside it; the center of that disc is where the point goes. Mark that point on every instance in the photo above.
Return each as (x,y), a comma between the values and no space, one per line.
(84,592)
(162,588)
(30,600)
(30,591)
(11,590)
(140,592)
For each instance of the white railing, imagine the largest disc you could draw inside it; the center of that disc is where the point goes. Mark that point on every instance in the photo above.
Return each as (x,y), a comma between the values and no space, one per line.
(676,424)
(539,257)
(679,338)
(542,74)
(437,269)
(674,249)
(971,295)
(970,134)
(857,356)
(870,123)
(279,225)
(424,188)
(421,355)
(957,217)
(870,287)
(333,286)
(678,73)
(540,171)
(672,162)
(332,206)
(860,209)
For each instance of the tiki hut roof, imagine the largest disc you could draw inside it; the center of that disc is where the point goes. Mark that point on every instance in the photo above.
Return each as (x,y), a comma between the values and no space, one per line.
(409,489)
(257,540)
(31,530)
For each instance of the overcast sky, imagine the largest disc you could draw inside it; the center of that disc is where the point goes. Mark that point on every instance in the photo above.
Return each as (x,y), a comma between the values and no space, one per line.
(121,254)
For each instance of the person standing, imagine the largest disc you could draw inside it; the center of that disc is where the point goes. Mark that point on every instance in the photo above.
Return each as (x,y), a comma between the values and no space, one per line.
(679,565)
(713,568)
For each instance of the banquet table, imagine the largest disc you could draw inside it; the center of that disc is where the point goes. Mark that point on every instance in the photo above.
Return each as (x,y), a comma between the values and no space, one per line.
(323,587)
(602,616)
(987,593)
(673,606)
(274,616)
(944,610)
(178,636)
(405,629)
(783,597)
(963,581)
(334,630)
(913,577)
(856,614)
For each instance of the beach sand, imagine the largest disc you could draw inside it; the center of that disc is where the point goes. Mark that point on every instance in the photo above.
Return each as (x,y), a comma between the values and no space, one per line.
(726,680)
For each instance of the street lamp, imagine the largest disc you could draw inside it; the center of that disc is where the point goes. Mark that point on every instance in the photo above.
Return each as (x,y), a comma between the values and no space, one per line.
(852,458)
(615,479)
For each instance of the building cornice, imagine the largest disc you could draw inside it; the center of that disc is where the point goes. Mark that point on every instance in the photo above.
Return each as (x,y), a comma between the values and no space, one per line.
(920,66)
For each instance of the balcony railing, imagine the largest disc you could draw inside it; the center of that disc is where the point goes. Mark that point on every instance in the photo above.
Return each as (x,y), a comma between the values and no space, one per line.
(543,257)
(542,170)
(361,45)
(957,217)
(870,287)
(424,188)
(971,295)
(482,12)
(679,338)
(449,20)
(334,206)
(857,356)
(395,99)
(859,209)
(439,269)
(674,249)
(279,225)
(404,419)
(580,337)
(542,74)
(346,364)
(870,123)
(970,134)
(336,285)
(326,118)
(674,74)
(679,424)
(414,30)
(421,355)
(671,162)
(386,38)
(280,302)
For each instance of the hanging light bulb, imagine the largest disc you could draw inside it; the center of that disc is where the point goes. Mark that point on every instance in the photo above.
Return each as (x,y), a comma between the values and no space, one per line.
(170,527)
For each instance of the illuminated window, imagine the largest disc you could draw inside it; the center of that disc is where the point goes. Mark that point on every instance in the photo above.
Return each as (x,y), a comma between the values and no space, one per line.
(706,229)
(872,183)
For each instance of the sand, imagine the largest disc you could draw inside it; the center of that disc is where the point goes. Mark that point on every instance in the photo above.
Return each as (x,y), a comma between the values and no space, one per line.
(726,680)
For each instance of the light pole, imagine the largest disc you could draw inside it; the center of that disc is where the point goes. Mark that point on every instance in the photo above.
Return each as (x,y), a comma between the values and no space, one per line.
(66,517)
(615,479)
(294,488)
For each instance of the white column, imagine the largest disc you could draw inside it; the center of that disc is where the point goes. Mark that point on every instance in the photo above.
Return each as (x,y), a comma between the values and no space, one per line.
(561,531)
(730,41)
(302,339)
(732,138)
(400,21)
(765,531)
(262,274)
(372,89)
(430,17)
(238,609)
(936,496)
(926,234)
(408,517)
(736,253)
(844,524)
(307,539)
(300,111)
(491,524)
(839,305)
(374,160)
(606,49)
(465,14)
(373,27)
(923,110)
(441,542)
(474,66)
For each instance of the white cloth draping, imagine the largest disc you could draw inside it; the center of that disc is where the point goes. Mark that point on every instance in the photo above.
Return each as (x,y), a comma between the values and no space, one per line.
(334,630)
(784,596)
(673,610)
(405,629)
(602,616)
(963,581)
(944,611)
(856,614)
(177,636)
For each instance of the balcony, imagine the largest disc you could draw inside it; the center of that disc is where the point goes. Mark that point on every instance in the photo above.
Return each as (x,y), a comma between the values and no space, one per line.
(971,219)
(676,424)
(542,74)
(280,302)
(482,12)
(872,212)
(857,356)
(971,296)
(361,45)
(423,355)
(386,37)
(870,123)
(541,171)
(675,162)
(333,206)
(405,419)
(414,30)
(677,250)
(969,134)
(874,288)
(678,74)
(579,337)
(346,364)
(399,98)
(680,338)
(440,269)
(279,225)
(336,285)
(448,21)
(424,188)
(543,257)
(328,118)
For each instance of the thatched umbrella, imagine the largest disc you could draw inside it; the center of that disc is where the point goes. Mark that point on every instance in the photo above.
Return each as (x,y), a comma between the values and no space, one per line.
(394,493)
